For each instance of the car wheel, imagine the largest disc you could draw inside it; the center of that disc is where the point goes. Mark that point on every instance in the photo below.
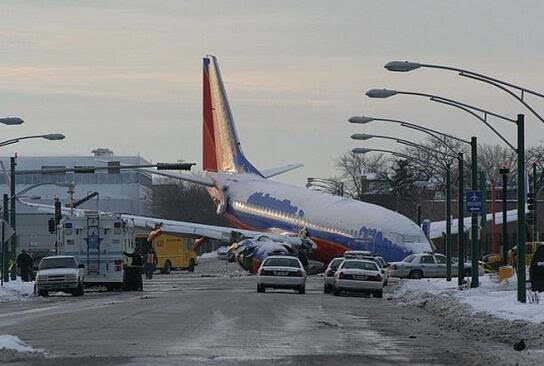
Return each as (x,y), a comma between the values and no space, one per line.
(336,291)
(302,290)
(192,265)
(260,288)
(378,294)
(415,275)
(167,267)
(43,293)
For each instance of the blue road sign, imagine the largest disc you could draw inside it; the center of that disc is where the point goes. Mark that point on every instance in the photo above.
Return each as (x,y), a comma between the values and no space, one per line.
(473,201)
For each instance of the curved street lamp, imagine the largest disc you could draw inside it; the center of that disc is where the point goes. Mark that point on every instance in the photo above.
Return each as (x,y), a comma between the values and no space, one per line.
(10,121)
(504,86)
(49,136)
(405,66)
(386,93)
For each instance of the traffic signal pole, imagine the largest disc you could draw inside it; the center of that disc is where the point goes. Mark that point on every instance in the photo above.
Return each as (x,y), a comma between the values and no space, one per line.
(13,251)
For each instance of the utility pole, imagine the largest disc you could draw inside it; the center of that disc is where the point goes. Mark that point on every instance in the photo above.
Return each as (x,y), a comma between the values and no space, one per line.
(461,224)
(12,222)
(475,242)
(448,222)
(535,190)
(419,215)
(5,256)
(522,289)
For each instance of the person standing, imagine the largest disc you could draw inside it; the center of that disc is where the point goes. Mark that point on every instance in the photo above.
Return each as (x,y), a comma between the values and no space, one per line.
(134,272)
(25,262)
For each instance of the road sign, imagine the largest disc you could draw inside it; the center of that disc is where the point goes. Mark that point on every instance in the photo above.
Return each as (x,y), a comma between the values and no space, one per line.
(473,201)
(8,230)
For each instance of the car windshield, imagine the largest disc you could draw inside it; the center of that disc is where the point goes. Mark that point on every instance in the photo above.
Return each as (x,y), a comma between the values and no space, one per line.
(360,265)
(48,263)
(382,261)
(335,263)
(281,262)
(409,259)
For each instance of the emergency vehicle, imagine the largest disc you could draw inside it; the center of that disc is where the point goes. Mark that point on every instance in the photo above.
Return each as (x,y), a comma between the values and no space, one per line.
(98,241)
(173,252)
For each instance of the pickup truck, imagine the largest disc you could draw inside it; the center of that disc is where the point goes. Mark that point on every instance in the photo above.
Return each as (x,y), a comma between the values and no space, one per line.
(60,273)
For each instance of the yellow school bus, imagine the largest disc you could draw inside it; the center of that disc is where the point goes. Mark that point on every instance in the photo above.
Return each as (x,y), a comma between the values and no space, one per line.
(173,252)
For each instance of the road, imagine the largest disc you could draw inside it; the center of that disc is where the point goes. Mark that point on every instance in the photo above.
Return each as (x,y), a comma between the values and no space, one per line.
(214,316)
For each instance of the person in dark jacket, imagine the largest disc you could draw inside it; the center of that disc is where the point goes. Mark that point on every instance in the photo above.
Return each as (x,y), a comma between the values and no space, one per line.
(536,270)
(134,272)
(25,262)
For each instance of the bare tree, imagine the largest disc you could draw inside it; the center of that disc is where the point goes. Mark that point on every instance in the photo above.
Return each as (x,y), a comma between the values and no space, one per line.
(354,167)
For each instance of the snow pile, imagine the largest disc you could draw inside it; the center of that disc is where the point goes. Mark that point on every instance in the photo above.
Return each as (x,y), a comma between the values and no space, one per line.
(16,291)
(13,349)
(492,297)
(490,311)
(14,343)
(208,255)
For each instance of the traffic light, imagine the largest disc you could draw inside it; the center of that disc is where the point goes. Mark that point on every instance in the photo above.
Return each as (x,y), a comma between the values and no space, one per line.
(531,201)
(51,224)
(58,212)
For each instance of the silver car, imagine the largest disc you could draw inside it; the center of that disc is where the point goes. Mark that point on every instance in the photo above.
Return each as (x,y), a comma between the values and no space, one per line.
(426,265)
(358,275)
(281,271)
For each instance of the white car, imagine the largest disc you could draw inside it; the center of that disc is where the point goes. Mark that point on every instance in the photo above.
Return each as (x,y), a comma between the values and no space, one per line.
(358,275)
(329,274)
(382,265)
(60,273)
(281,271)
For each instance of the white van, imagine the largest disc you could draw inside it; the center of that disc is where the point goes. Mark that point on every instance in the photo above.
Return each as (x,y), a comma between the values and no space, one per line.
(98,241)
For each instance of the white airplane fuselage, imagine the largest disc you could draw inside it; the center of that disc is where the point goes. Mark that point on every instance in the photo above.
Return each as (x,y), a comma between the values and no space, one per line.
(335,224)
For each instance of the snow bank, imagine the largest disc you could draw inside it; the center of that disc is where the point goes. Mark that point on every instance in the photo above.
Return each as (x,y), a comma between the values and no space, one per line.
(208,255)
(9,342)
(16,291)
(497,299)
(13,350)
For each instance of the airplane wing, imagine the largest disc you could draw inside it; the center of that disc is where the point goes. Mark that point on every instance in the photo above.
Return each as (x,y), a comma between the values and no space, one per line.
(438,228)
(267,173)
(227,234)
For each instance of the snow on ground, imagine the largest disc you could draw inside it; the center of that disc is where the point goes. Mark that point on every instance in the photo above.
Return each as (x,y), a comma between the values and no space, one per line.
(13,349)
(9,342)
(16,291)
(208,255)
(490,311)
(492,297)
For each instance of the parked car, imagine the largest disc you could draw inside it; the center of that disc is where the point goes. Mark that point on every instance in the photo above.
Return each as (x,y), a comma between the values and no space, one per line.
(329,274)
(358,275)
(60,273)
(283,272)
(426,265)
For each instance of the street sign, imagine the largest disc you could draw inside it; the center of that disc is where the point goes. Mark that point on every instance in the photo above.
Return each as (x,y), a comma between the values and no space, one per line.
(8,230)
(473,201)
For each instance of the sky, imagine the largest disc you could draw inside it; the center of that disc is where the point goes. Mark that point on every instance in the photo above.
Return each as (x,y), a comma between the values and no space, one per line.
(127,75)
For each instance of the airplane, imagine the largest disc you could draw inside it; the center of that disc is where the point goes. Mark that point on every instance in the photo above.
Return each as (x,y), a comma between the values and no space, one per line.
(272,217)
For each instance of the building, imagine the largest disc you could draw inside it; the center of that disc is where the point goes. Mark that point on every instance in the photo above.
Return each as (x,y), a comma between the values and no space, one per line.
(118,191)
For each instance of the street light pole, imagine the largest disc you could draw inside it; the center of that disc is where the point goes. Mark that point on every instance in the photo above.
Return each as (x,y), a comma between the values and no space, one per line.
(448,222)
(5,256)
(13,253)
(522,290)
(461,223)
(475,242)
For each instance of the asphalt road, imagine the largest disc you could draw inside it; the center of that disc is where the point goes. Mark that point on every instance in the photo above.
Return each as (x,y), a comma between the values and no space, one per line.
(215,317)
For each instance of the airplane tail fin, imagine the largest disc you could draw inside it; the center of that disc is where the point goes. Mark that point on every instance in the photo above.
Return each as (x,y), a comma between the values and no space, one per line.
(221,147)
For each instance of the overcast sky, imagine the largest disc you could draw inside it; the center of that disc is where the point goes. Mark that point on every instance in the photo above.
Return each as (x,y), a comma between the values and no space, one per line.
(126,75)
